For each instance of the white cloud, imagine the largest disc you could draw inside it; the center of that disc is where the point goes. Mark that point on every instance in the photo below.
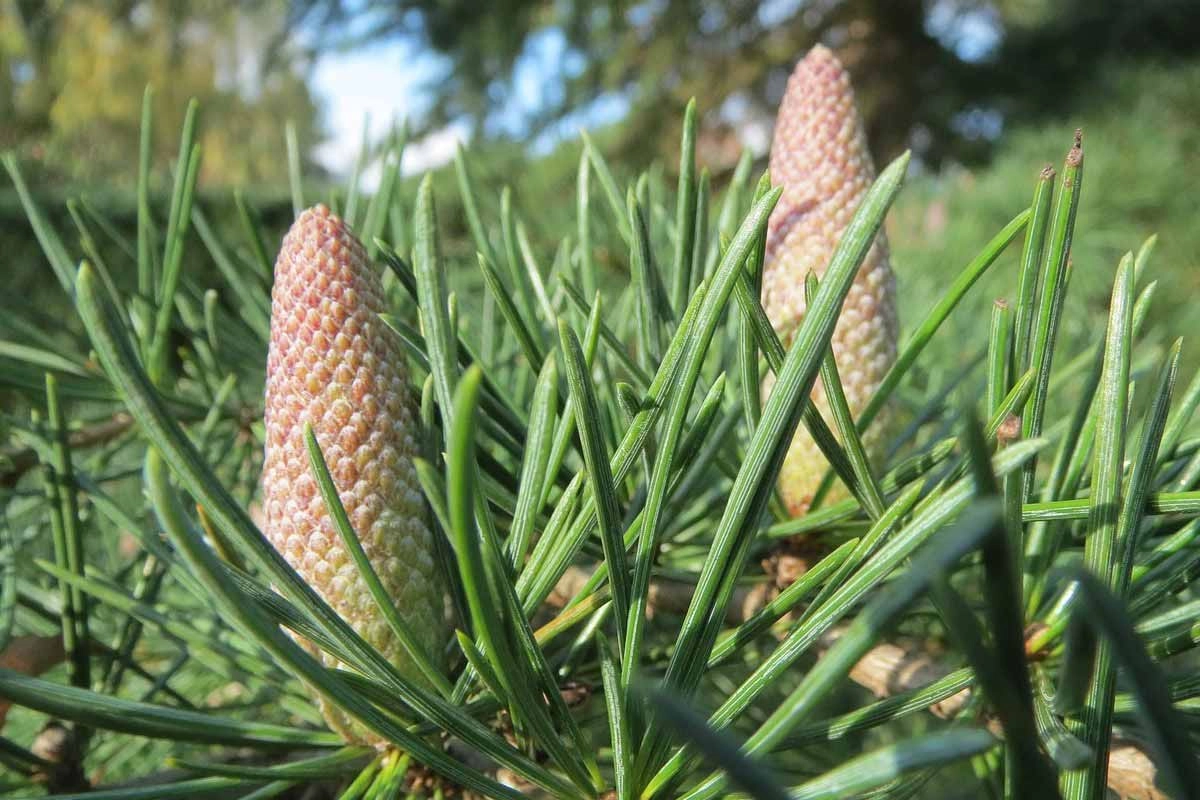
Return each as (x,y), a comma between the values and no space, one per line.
(434,150)
(378,86)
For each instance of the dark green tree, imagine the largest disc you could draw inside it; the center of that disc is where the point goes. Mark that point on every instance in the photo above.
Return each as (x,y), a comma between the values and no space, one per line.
(920,66)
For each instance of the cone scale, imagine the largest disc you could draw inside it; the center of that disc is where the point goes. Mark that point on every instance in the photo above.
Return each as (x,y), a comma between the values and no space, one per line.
(334,365)
(819,156)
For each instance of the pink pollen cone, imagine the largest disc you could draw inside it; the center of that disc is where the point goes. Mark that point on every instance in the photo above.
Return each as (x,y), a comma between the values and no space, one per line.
(333,364)
(819,156)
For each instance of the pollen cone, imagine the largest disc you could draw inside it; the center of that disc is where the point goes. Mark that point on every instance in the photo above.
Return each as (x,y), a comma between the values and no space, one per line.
(333,364)
(819,156)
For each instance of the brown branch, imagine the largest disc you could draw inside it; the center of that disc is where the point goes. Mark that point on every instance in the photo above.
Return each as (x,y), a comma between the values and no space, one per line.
(889,669)
(1131,773)
(30,655)
(666,594)
(22,459)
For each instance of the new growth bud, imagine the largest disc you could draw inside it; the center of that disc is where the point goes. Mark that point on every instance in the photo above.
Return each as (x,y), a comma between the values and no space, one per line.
(333,364)
(819,156)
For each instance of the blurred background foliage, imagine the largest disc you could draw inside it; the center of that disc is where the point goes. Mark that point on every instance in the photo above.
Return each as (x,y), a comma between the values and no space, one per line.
(983,91)
(74,73)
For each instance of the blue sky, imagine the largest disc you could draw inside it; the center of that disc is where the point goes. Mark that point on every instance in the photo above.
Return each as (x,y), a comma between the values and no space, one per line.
(377,86)
(382,84)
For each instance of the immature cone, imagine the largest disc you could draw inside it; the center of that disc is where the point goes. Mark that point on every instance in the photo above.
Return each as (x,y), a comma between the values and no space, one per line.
(333,364)
(819,156)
